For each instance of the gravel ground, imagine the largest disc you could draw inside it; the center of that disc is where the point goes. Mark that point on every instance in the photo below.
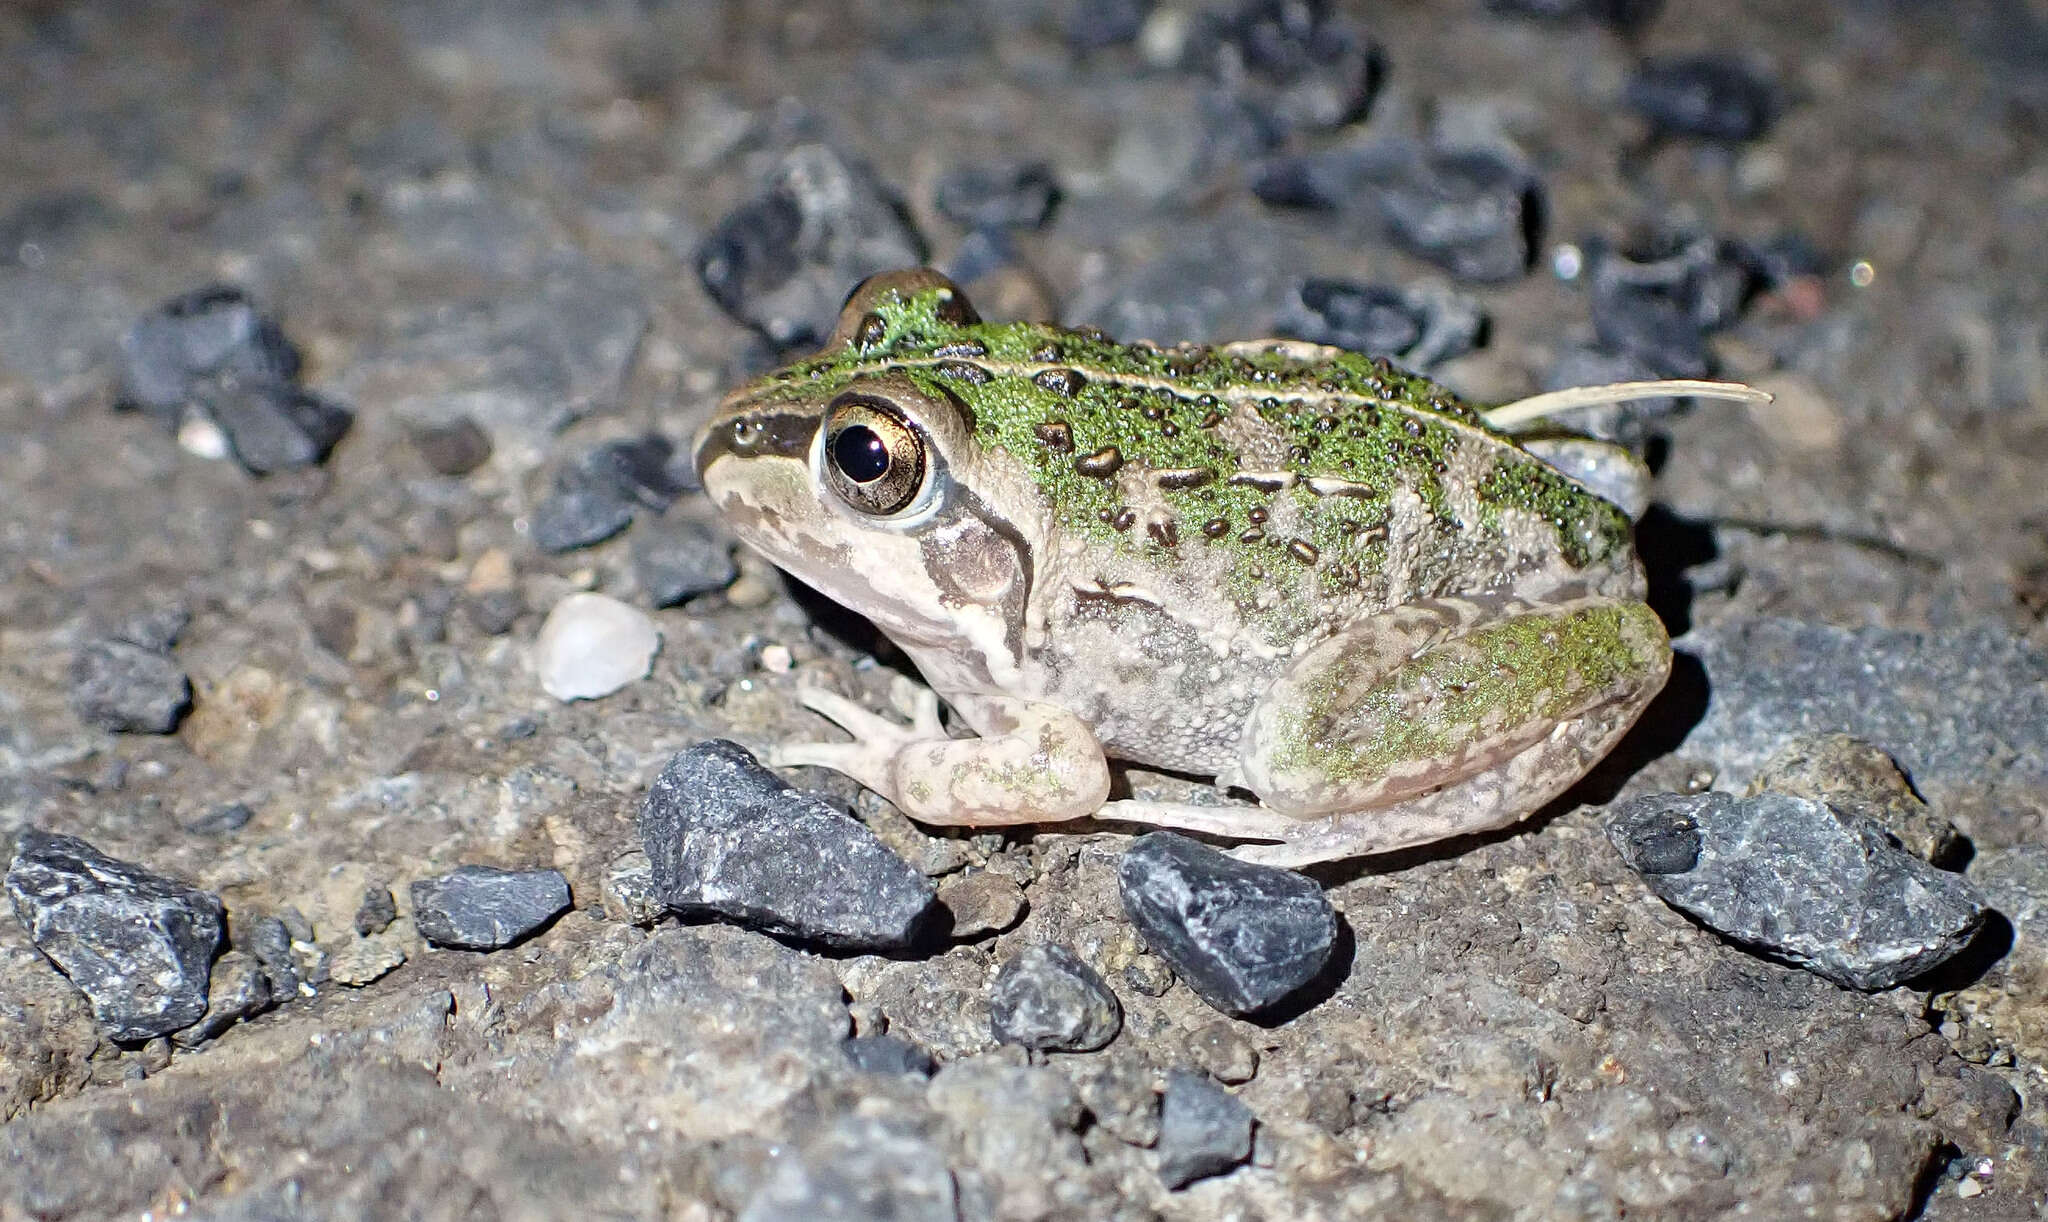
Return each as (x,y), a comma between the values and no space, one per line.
(340,344)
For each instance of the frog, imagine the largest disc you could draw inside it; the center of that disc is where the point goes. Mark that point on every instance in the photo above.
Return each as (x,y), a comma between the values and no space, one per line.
(1306,573)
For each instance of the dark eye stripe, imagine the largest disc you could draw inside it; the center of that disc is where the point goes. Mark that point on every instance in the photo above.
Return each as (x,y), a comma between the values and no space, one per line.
(760,435)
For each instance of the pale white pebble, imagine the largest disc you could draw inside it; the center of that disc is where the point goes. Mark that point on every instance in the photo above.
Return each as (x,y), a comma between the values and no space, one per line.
(592,646)
(776,659)
(201,436)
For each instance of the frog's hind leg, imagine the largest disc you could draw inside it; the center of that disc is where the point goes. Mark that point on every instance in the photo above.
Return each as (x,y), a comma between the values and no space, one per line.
(1445,718)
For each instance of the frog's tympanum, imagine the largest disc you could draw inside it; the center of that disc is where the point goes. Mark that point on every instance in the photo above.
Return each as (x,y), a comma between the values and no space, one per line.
(1298,570)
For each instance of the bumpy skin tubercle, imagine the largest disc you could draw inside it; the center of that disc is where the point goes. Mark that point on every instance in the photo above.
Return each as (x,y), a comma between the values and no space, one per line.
(1298,570)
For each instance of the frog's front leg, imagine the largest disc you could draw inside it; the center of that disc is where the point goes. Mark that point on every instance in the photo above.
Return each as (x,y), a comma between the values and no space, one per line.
(1040,765)
(1442,718)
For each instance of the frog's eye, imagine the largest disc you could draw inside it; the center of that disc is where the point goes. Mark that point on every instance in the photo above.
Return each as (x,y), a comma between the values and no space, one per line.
(873,458)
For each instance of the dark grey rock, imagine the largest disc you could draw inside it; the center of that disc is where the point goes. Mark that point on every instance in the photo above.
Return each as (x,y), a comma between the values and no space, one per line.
(1420,329)
(452,447)
(1091,25)
(1711,279)
(647,470)
(1654,330)
(128,689)
(223,820)
(495,611)
(1047,998)
(1296,63)
(1858,779)
(677,560)
(859,1169)
(273,426)
(888,1054)
(137,944)
(1469,211)
(1708,95)
(1964,711)
(1618,13)
(156,629)
(1827,891)
(1204,1130)
(783,262)
(238,988)
(209,332)
(578,515)
(480,908)
(267,939)
(1243,936)
(725,835)
(376,912)
(1015,196)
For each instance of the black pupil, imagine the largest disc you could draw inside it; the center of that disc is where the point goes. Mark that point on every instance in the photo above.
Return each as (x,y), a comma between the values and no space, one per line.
(860,454)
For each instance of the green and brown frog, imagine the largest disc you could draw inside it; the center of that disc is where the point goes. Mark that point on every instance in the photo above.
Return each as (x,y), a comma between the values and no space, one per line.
(1293,568)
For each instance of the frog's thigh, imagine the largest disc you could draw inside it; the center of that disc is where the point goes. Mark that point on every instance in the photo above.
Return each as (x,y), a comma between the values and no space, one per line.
(1446,717)
(1041,765)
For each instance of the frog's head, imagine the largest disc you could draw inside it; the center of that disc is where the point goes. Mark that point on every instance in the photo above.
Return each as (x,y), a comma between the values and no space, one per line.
(861,476)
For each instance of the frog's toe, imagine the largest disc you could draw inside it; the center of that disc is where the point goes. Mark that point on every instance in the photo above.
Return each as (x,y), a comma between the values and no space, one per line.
(870,728)
(919,704)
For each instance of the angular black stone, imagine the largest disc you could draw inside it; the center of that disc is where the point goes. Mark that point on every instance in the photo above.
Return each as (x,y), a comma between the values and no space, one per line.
(273,426)
(196,336)
(1377,320)
(1018,196)
(1298,63)
(782,262)
(455,447)
(480,908)
(888,1054)
(137,944)
(1204,1130)
(1047,997)
(1707,95)
(725,835)
(1468,211)
(646,470)
(377,910)
(237,989)
(579,515)
(1243,936)
(676,561)
(128,689)
(1826,891)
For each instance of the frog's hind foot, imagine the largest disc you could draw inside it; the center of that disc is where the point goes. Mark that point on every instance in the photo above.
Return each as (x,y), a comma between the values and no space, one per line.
(877,740)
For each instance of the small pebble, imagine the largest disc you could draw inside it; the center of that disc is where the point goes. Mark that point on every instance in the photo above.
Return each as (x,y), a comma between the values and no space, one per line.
(270,942)
(1709,96)
(591,646)
(238,988)
(1293,63)
(628,890)
(137,944)
(981,903)
(456,447)
(128,688)
(480,908)
(494,612)
(1018,196)
(1826,891)
(1226,1055)
(1047,998)
(677,560)
(1091,25)
(1243,936)
(1420,329)
(727,836)
(1859,779)
(377,910)
(887,1054)
(646,470)
(1204,1130)
(1469,211)
(274,426)
(579,515)
(781,263)
(222,820)
(208,332)
(364,960)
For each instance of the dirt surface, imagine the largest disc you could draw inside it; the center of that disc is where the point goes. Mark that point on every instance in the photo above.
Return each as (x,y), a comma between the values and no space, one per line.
(500,212)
